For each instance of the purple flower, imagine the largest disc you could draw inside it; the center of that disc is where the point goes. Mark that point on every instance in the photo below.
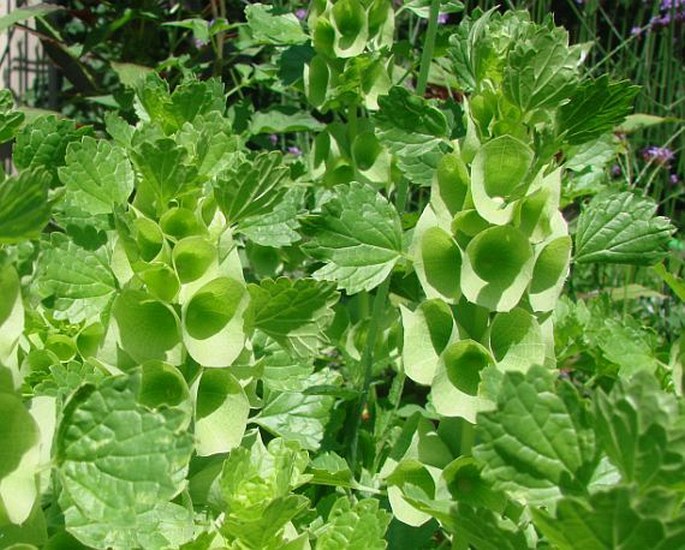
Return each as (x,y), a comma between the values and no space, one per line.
(636,31)
(660,21)
(673,179)
(659,155)
(294,150)
(301,14)
(667,5)
(442,18)
(615,171)
(273,138)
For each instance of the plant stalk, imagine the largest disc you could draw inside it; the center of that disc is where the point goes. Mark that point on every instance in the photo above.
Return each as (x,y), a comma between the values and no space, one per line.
(366,364)
(379,302)
(428,47)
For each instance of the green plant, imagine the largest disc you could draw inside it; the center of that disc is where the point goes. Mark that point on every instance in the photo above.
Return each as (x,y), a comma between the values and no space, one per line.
(207,344)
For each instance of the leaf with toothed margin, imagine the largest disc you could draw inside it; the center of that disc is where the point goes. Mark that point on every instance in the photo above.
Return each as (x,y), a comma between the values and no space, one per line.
(97,176)
(24,206)
(621,228)
(294,313)
(81,280)
(537,440)
(123,450)
(358,235)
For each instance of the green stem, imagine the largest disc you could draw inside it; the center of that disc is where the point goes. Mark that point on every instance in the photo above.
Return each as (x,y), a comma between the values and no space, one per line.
(428,47)
(366,364)
(626,282)
(352,122)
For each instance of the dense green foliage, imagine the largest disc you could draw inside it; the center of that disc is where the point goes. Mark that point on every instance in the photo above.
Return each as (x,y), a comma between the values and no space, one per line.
(207,342)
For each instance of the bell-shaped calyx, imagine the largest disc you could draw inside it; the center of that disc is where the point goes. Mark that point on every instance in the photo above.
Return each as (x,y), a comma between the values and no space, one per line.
(213,324)
(456,387)
(500,175)
(437,258)
(497,267)
(516,340)
(552,259)
(351,30)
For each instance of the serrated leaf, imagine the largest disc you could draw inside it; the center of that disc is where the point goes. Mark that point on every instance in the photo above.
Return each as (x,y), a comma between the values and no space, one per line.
(299,417)
(278,227)
(638,426)
(360,235)
(252,188)
(359,526)
(43,143)
(485,530)
(253,475)
(165,173)
(131,74)
(78,278)
(295,314)
(24,206)
(211,140)
(285,373)
(256,486)
(625,345)
(542,70)
(537,440)
(97,176)
(421,8)
(621,228)
(66,378)
(121,462)
(266,529)
(331,469)
(268,27)
(592,154)
(674,282)
(10,119)
(609,519)
(189,100)
(414,132)
(638,121)
(596,107)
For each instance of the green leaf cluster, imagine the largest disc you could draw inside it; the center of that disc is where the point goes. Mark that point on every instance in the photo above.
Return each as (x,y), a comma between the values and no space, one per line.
(206,342)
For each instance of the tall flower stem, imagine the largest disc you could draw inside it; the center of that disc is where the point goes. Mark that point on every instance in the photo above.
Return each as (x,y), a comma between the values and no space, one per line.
(428,47)
(381,298)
